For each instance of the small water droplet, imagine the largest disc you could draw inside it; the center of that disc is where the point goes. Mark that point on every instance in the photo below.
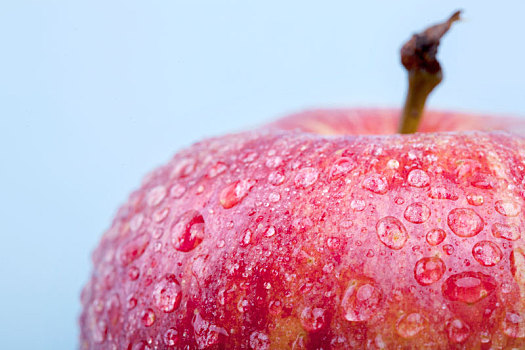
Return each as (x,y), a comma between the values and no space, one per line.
(188,231)
(133,273)
(313,319)
(171,337)
(513,325)
(417,213)
(341,167)
(160,214)
(140,345)
(457,331)
(468,287)
(358,204)
(216,169)
(133,249)
(370,253)
(436,236)
(259,341)
(408,326)
(199,189)
(235,192)
(270,231)
(113,309)
(391,232)
(247,237)
(392,164)
(487,253)
(167,294)
(376,184)
(440,192)
(506,231)
(148,317)
(177,190)
(361,301)
(274,197)
(274,162)
(136,222)
(131,302)
(184,167)
(507,208)
(475,199)
(399,201)
(448,249)
(465,222)
(418,178)
(306,177)
(248,157)
(156,195)
(221,243)
(429,270)
(276,178)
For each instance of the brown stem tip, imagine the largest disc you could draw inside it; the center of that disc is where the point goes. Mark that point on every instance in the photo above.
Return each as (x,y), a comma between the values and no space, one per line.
(418,56)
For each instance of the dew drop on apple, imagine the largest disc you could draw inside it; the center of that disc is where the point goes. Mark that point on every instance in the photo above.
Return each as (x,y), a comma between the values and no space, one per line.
(465,222)
(133,273)
(136,222)
(167,294)
(417,213)
(487,253)
(270,231)
(216,169)
(418,178)
(177,190)
(513,325)
(408,326)
(506,231)
(429,270)
(235,192)
(274,197)
(313,318)
(468,287)
(259,341)
(376,184)
(306,177)
(435,236)
(276,178)
(188,231)
(457,331)
(342,167)
(475,199)
(170,337)
(358,204)
(140,345)
(133,249)
(156,195)
(441,192)
(274,162)
(391,232)
(161,214)
(247,237)
(148,317)
(131,302)
(448,249)
(361,301)
(507,208)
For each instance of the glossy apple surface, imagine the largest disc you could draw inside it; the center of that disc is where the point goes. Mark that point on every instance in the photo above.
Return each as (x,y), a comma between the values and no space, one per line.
(299,235)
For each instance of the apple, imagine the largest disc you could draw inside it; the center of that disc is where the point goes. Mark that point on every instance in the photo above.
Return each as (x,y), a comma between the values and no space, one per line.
(324,230)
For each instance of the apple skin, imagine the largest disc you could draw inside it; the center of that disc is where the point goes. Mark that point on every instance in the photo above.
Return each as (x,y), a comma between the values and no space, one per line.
(287,238)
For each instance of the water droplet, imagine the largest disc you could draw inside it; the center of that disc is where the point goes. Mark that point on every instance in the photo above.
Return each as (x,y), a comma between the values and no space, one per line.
(306,177)
(199,189)
(184,167)
(465,222)
(274,162)
(429,270)
(417,213)
(507,208)
(221,243)
(171,337)
(513,325)
(408,326)
(391,232)
(475,199)
(440,192)
(148,317)
(247,237)
(342,167)
(270,231)
(133,273)
(370,253)
(113,309)
(361,301)
(248,157)
(399,201)
(167,294)
(177,191)
(131,302)
(468,287)
(313,319)
(206,333)
(358,204)
(506,231)
(156,195)
(160,214)
(436,236)
(235,192)
(188,231)
(418,178)
(392,164)
(141,345)
(133,249)
(457,331)
(274,197)
(376,184)
(487,253)
(259,341)
(136,222)
(448,249)
(217,169)
(276,178)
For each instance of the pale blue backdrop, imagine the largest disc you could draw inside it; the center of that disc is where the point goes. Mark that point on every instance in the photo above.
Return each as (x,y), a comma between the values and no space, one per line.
(93,94)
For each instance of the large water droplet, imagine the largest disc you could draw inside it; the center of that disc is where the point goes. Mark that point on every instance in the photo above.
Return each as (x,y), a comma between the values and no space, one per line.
(259,341)
(429,270)
(506,231)
(457,331)
(361,301)
(465,222)
(507,208)
(376,184)
(468,287)
(206,333)
(313,319)
(306,177)
(513,325)
(235,192)
(156,195)
(148,317)
(188,231)
(487,253)
(418,178)
(167,294)
(341,167)
(436,236)
(417,213)
(171,337)
(133,249)
(391,232)
(408,326)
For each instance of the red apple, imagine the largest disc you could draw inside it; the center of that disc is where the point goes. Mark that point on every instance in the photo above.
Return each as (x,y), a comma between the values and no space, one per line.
(301,236)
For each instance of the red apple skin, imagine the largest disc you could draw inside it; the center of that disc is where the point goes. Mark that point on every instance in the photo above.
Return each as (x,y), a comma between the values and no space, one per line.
(285,238)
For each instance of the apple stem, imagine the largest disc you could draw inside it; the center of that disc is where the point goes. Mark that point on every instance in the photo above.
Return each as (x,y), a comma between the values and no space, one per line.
(418,56)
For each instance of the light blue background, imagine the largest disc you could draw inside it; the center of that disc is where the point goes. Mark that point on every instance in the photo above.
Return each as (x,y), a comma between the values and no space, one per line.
(93,94)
